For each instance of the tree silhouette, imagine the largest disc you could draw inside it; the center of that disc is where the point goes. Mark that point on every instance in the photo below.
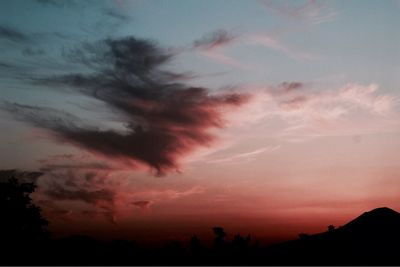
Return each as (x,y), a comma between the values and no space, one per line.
(219,235)
(21,220)
(195,244)
(240,242)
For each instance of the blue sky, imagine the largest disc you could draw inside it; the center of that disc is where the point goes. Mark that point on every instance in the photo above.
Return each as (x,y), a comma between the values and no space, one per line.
(359,42)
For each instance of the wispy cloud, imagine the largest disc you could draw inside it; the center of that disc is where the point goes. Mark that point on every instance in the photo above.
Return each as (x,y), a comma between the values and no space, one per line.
(311,11)
(221,58)
(244,157)
(57,192)
(273,42)
(56,3)
(33,52)
(142,204)
(116,14)
(214,40)
(213,46)
(21,176)
(13,34)
(169,194)
(65,182)
(304,112)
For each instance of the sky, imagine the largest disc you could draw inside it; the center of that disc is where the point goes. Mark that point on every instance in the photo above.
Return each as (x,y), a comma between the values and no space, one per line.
(159,119)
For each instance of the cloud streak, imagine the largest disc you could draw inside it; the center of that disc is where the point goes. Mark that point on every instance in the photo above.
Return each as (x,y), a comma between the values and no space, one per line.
(12,34)
(244,157)
(214,40)
(212,45)
(56,3)
(312,11)
(142,204)
(21,176)
(115,14)
(87,183)
(57,192)
(272,42)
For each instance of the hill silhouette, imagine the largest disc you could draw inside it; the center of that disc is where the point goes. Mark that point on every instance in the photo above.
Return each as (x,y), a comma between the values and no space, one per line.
(378,220)
(372,238)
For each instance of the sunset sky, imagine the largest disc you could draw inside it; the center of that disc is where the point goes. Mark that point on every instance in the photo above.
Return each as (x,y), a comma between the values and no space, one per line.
(160,119)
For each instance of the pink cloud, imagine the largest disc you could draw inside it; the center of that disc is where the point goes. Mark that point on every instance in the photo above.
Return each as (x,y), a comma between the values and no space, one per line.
(273,42)
(364,97)
(166,194)
(243,157)
(306,112)
(221,58)
(142,204)
(297,112)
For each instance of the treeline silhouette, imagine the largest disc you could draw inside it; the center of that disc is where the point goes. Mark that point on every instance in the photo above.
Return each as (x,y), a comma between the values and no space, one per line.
(371,239)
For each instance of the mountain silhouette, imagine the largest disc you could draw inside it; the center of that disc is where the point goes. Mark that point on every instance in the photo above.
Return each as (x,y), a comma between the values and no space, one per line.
(376,221)
(372,238)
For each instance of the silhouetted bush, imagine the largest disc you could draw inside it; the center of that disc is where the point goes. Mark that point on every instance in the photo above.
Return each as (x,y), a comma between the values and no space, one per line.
(219,236)
(21,220)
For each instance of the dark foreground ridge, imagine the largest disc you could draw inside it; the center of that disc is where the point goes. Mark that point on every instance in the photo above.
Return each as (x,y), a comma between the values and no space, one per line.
(370,239)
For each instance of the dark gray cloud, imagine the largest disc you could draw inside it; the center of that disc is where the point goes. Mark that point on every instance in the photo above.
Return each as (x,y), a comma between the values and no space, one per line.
(58,192)
(290,86)
(6,66)
(83,182)
(54,164)
(15,71)
(214,39)
(75,172)
(165,119)
(115,14)
(21,176)
(48,118)
(77,166)
(16,35)
(33,52)
(56,3)
(12,34)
